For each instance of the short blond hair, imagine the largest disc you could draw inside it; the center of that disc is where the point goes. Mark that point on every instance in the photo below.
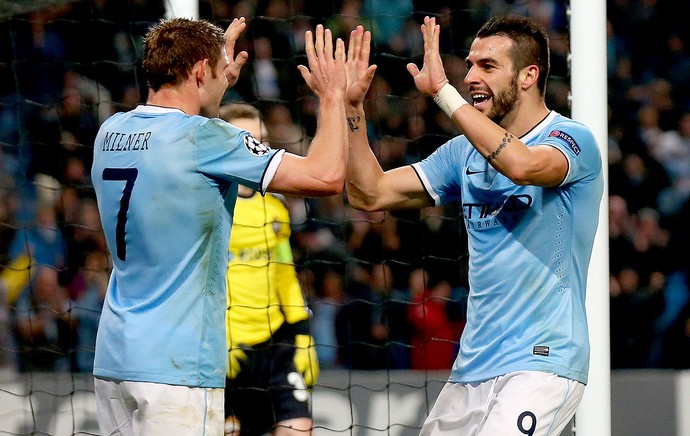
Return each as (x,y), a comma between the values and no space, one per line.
(234,111)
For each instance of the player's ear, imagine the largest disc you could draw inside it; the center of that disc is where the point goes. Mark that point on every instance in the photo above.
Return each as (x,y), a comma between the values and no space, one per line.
(527,77)
(199,71)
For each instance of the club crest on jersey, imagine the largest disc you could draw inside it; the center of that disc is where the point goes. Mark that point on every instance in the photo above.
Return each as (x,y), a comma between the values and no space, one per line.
(570,142)
(254,146)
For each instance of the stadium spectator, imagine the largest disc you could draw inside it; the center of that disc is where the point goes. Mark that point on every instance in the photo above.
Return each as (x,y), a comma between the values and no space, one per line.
(44,325)
(434,337)
(165,177)
(518,169)
(87,308)
(389,317)
(358,349)
(673,152)
(634,307)
(676,340)
(42,240)
(267,323)
(327,304)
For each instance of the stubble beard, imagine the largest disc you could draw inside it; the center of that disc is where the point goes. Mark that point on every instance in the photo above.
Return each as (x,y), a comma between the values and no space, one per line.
(504,103)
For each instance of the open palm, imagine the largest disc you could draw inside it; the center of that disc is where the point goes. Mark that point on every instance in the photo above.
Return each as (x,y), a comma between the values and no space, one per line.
(432,76)
(357,69)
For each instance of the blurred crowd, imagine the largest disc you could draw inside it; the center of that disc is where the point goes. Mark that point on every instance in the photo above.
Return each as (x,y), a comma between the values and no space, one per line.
(387,290)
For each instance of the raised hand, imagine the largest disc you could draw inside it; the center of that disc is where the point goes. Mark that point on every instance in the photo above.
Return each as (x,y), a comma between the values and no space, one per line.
(234,30)
(357,69)
(432,77)
(325,74)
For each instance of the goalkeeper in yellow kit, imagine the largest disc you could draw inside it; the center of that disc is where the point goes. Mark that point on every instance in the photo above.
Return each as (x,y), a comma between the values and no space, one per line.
(272,360)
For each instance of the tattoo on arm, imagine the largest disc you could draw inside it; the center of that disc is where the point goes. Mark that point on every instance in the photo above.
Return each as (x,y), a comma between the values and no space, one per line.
(506,140)
(353,123)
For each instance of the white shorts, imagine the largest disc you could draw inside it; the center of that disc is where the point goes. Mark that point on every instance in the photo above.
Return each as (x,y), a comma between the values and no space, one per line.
(519,403)
(136,408)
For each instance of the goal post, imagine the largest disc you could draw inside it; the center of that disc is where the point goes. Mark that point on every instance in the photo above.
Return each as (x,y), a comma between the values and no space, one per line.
(182,9)
(590,106)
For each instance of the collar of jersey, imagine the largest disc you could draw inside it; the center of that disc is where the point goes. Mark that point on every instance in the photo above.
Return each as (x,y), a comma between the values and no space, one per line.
(536,130)
(150,109)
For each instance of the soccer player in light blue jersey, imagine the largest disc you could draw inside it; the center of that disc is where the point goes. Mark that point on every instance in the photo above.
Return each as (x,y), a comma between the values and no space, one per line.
(166,177)
(530,183)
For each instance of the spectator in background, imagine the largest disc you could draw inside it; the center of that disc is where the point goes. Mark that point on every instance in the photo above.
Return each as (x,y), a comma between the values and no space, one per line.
(355,325)
(388,23)
(44,325)
(86,310)
(634,308)
(390,326)
(329,299)
(42,241)
(676,349)
(434,337)
(672,151)
(621,231)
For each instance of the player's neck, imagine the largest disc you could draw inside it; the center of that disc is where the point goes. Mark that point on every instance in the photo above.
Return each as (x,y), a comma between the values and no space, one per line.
(178,97)
(522,120)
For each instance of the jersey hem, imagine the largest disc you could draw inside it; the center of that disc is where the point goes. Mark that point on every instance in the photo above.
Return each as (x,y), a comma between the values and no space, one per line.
(170,380)
(561,372)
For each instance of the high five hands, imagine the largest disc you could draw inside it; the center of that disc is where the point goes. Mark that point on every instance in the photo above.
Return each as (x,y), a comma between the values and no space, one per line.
(432,76)
(359,72)
(326,72)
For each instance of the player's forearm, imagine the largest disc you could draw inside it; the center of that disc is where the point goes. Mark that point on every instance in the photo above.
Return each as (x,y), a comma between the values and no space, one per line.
(503,150)
(328,152)
(363,169)
(510,156)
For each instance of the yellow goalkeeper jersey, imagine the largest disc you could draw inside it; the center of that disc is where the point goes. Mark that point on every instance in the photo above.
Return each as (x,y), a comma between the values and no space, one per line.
(263,291)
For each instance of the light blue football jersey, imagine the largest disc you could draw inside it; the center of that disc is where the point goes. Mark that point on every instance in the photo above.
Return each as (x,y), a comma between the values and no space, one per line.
(166,185)
(529,251)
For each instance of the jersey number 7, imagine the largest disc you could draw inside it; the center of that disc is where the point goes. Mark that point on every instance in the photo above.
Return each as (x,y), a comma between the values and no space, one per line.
(129,175)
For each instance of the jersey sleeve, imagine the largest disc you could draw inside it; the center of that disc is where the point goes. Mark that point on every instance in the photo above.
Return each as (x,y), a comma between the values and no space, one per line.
(225,152)
(440,172)
(579,146)
(288,288)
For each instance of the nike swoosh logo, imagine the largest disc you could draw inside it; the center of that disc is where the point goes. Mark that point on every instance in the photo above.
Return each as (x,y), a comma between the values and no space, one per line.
(469,172)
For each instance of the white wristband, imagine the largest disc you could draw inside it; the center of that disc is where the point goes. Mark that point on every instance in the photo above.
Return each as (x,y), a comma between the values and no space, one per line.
(449,99)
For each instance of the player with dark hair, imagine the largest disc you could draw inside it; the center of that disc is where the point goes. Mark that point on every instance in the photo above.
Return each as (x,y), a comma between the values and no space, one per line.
(530,182)
(272,358)
(166,178)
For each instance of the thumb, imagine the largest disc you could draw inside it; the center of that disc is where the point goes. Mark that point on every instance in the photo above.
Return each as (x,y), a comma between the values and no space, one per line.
(306,75)
(370,72)
(413,69)
(241,58)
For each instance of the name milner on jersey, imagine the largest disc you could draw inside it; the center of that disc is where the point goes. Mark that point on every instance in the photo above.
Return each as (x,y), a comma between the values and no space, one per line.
(116,141)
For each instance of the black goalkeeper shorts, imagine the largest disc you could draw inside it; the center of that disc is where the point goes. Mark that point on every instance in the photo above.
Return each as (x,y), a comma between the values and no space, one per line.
(268,388)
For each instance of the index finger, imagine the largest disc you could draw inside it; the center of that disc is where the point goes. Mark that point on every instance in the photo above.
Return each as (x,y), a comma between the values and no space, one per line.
(235,29)
(435,31)
(309,47)
(366,46)
(355,43)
